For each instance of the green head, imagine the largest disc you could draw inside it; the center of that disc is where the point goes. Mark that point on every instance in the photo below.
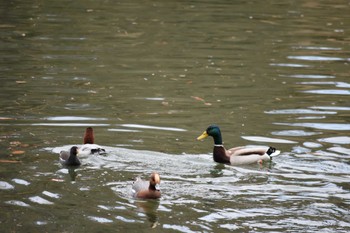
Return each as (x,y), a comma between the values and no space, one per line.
(214,131)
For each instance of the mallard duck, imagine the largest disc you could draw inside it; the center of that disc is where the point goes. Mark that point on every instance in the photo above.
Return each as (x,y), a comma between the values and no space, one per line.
(237,155)
(147,189)
(89,147)
(71,158)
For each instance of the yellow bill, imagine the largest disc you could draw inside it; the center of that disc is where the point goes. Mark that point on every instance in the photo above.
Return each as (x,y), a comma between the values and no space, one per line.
(204,135)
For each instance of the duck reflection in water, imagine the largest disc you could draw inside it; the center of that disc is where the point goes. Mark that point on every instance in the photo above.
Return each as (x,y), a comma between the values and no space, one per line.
(72,173)
(217,170)
(150,209)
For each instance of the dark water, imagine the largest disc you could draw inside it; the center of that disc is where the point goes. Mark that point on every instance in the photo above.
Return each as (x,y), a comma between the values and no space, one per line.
(149,77)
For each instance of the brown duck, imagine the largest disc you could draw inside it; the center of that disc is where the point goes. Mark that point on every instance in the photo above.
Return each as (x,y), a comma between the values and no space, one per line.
(147,189)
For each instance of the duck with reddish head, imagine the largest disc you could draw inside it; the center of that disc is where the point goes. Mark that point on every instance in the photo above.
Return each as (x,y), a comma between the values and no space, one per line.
(237,155)
(147,189)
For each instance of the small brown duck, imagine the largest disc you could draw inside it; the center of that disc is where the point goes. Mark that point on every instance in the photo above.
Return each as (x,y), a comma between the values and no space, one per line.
(71,158)
(237,155)
(89,147)
(147,189)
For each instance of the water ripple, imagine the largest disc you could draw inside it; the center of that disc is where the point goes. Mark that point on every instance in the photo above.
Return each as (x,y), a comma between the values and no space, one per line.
(329,92)
(40,200)
(336,140)
(318,48)
(337,84)
(323,126)
(317,58)
(68,124)
(17,203)
(298,111)
(20,181)
(289,65)
(266,139)
(309,76)
(100,219)
(74,118)
(5,186)
(152,127)
(294,133)
(338,108)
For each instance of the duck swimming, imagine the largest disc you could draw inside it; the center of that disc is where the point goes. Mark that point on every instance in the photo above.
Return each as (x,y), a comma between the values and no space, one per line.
(71,158)
(237,155)
(147,189)
(89,147)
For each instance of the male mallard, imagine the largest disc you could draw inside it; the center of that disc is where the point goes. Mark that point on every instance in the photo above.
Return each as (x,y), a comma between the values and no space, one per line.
(89,147)
(236,155)
(147,189)
(70,159)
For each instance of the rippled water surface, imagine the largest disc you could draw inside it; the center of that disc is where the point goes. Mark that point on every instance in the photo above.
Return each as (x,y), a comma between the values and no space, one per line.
(149,77)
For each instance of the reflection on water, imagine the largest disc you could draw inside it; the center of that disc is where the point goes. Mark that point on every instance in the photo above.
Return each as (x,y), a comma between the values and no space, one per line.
(324,126)
(149,76)
(149,208)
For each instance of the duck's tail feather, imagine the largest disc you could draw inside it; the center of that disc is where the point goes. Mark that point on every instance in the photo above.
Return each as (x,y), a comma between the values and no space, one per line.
(272,152)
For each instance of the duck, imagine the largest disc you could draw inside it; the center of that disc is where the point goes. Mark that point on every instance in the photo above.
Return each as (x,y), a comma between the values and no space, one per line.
(147,189)
(89,147)
(238,155)
(70,158)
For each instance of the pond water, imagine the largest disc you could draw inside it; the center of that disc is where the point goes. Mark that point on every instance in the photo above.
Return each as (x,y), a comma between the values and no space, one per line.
(149,77)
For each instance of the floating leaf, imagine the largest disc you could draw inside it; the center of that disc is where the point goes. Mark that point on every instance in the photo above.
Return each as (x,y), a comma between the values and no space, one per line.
(198,98)
(18,152)
(57,180)
(6,118)
(201,99)
(9,161)
(15,143)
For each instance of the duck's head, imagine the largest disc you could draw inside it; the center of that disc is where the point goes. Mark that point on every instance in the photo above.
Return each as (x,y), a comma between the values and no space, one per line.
(89,136)
(74,150)
(212,130)
(155,181)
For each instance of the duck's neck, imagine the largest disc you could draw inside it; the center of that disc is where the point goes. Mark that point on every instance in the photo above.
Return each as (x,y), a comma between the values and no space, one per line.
(73,160)
(217,138)
(153,193)
(152,187)
(219,154)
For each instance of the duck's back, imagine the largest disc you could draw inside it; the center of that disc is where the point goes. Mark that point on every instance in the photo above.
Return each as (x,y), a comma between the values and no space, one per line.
(139,185)
(64,155)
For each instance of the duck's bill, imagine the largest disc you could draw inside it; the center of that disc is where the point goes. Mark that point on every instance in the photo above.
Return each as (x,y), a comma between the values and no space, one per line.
(157,187)
(204,135)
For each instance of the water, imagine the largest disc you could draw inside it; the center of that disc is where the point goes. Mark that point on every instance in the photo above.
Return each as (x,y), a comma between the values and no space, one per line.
(149,77)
